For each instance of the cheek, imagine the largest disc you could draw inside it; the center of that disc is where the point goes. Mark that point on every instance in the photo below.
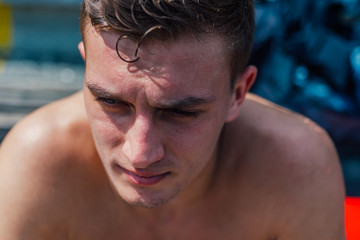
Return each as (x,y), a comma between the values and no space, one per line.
(107,139)
(195,142)
(193,149)
(105,131)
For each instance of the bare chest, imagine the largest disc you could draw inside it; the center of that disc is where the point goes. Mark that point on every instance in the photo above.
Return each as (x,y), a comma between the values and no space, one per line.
(194,232)
(207,224)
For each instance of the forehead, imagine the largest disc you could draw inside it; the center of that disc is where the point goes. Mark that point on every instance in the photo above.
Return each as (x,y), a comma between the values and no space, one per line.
(186,58)
(204,44)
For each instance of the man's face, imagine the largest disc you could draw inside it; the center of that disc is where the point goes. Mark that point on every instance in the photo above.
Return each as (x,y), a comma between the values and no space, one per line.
(156,122)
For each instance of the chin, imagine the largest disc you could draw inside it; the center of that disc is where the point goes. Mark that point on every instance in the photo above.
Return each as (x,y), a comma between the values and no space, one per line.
(146,198)
(150,205)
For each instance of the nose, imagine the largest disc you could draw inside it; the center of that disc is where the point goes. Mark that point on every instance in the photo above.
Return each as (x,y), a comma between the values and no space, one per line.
(142,145)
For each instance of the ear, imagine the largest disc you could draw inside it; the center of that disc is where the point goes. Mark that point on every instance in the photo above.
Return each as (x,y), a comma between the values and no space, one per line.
(81,48)
(241,86)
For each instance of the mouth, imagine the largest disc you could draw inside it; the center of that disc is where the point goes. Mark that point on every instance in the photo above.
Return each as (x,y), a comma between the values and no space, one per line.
(143,178)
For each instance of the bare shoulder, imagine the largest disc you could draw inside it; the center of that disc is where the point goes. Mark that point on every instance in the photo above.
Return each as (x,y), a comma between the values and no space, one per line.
(287,135)
(49,132)
(293,162)
(285,128)
(37,163)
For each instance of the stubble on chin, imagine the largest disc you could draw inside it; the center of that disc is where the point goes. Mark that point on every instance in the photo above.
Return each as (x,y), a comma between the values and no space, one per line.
(154,200)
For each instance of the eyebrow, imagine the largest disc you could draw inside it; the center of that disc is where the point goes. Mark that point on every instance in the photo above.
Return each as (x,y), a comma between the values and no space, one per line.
(187,102)
(99,91)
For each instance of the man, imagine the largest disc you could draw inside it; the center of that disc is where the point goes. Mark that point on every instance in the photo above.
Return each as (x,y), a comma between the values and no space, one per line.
(165,143)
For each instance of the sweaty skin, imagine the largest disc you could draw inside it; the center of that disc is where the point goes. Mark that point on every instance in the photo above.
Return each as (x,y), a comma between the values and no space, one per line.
(163,149)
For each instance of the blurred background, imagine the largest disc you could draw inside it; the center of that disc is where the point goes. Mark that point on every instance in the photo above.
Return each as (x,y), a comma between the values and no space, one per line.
(307,52)
(39,60)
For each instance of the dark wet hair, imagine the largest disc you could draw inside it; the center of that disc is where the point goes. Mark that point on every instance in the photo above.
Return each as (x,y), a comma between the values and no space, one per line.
(231,19)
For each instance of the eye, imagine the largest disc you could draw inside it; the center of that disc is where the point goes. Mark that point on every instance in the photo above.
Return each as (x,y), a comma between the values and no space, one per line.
(182,114)
(107,101)
(112,103)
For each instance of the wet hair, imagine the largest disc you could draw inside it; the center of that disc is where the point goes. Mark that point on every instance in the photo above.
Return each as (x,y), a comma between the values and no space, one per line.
(233,20)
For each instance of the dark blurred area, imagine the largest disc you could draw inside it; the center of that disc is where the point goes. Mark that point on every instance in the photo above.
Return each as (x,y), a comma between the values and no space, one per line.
(307,52)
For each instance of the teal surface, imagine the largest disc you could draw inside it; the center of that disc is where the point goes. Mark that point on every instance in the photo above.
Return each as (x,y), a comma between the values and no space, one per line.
(39,59)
